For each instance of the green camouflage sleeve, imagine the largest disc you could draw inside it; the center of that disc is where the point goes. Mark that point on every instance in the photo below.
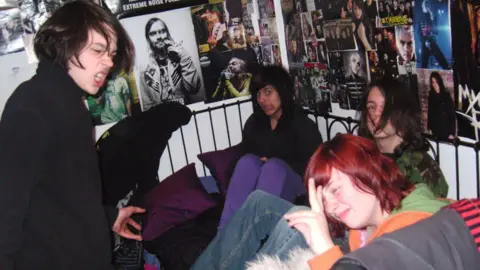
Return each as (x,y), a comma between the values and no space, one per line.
(419,167)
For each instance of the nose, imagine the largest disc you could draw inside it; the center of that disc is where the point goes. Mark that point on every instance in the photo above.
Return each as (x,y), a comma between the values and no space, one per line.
(108,60)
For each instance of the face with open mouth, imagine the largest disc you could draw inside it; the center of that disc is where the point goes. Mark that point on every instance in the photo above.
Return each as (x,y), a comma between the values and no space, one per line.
(94,62)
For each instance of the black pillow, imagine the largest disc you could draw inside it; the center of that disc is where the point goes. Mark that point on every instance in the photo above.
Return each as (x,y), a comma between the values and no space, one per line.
(179,247)
(130,151)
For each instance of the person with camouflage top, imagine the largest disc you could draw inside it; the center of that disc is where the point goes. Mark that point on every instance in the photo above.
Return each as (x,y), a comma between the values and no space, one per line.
(391,117)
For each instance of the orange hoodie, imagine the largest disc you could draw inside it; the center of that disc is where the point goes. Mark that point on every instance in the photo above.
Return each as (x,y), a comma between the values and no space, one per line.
(420,204)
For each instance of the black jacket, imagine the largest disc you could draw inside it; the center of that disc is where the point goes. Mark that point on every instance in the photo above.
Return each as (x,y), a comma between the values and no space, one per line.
(294,140)
(52,215)
(441,115)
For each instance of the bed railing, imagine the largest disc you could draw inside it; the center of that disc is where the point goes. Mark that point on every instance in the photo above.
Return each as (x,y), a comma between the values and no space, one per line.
(219,127)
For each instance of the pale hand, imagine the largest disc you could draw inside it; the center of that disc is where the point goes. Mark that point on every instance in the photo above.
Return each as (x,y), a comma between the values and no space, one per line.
(313,223)
(124,218)
(264,159)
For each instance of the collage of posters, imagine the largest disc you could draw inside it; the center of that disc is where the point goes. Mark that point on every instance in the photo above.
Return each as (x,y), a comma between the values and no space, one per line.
(433,56)
(232,37)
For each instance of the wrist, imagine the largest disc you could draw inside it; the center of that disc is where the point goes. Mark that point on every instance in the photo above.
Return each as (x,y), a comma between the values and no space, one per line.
(320,247)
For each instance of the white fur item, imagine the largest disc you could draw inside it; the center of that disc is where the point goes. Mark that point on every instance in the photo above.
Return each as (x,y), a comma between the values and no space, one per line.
(297,260)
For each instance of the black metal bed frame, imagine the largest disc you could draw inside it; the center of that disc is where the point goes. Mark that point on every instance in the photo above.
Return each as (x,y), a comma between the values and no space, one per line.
(349,124)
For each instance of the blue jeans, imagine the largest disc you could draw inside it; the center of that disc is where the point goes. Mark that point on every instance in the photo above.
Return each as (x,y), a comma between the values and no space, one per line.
(259,219)
(274,176)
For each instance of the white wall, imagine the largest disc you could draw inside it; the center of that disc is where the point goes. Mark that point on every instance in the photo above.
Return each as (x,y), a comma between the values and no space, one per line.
(14,70)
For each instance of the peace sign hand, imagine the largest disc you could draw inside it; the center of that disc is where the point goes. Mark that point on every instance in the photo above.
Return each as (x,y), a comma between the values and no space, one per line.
(313,223)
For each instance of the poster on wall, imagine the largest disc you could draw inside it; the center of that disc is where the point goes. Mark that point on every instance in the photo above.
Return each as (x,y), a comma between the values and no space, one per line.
(11,31)
(337,9)
(167,64)
(210,27)
(226,66)
(405,45)
(396,12)
(386,53)
(311,88)
(117,99)
(466,51)
(33,14)
(432,34)
(129,8)
(339,35)
(354,66)
(228,74)
(363,18)
(436,94)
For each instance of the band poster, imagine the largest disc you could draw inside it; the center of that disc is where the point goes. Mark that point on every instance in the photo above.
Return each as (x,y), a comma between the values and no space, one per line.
(466,69)
(233,37)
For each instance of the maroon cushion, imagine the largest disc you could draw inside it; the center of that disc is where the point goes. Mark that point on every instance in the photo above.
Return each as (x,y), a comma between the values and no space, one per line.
(178,198)
(221,164)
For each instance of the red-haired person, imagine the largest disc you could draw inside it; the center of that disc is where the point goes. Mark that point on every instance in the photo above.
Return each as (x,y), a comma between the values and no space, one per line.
(350,184)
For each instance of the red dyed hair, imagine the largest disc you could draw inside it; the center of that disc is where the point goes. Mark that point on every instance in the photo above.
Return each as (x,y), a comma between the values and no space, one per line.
(368,169)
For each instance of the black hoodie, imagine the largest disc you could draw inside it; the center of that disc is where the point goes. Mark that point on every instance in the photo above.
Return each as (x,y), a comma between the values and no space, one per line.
(294,140)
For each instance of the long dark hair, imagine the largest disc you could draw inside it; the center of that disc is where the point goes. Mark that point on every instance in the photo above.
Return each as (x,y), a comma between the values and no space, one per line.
(279,78)
(64,35)
(440,83)
(401,109)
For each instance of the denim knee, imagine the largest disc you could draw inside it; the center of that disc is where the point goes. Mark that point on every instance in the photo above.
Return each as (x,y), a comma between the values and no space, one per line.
(257,196)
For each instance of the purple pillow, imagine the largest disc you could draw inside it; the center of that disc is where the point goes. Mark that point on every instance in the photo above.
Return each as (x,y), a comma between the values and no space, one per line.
(178,198)
(221,164)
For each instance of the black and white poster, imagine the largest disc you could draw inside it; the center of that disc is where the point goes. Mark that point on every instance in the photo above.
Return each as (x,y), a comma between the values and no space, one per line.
(354,66)
(11,31)
(167,65)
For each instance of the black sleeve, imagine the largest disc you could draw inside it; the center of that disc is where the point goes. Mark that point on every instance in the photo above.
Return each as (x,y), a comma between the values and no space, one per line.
(23,140)
(247,134)
(307,141)
(112,214)
(451,116)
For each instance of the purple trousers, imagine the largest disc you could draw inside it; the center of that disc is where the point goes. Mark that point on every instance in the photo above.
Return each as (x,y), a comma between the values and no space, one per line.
(251,173)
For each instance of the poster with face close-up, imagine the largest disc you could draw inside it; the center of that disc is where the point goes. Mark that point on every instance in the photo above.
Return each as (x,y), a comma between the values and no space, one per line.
(167,63)
(354,66)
